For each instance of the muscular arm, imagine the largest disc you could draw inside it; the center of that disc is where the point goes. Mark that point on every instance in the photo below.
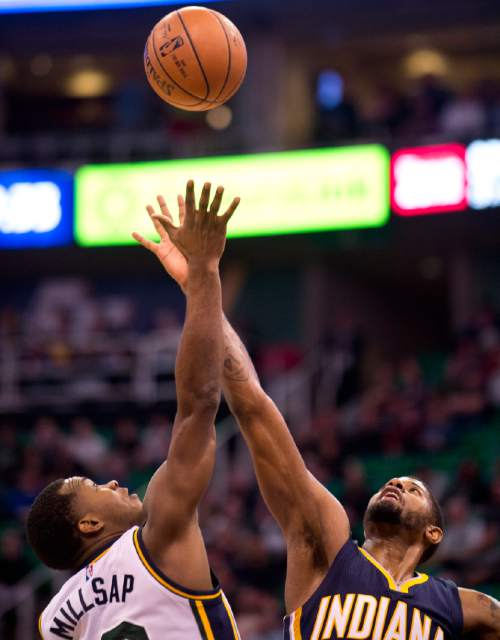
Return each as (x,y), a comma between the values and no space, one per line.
(314,523)
(481,614)
(178,485)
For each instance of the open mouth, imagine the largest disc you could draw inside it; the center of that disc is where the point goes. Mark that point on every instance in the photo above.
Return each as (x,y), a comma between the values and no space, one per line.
(391,494)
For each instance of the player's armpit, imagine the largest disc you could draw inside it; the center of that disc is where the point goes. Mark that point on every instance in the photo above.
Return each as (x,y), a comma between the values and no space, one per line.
(481,614)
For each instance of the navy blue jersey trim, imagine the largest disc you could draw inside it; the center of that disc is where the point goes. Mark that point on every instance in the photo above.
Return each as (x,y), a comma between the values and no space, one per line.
(456,593)
(215,592)
(194,610)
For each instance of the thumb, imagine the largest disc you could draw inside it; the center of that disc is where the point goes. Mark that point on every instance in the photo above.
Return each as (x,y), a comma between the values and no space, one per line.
(147,244)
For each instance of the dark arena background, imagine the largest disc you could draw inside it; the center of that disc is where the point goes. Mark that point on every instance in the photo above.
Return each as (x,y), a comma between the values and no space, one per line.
(364,271)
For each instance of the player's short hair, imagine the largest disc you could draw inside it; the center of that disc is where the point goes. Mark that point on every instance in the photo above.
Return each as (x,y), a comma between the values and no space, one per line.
(51,527)
(437,519)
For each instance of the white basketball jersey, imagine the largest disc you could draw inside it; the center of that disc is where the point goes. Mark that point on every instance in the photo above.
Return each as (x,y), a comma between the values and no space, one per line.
(121,595)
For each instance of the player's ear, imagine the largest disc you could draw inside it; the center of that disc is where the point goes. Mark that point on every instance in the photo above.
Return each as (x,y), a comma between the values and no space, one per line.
(90,524)
(433,534)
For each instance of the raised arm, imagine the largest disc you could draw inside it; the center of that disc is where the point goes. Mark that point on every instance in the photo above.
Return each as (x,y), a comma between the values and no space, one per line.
(314,523)
(177,487)
(481,614)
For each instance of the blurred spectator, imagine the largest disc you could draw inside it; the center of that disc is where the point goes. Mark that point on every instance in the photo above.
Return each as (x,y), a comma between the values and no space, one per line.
(388,113)
(356,492)
(86,446)
(435,479)
(464,533)
(435,92)
(470,485)
(464,116)
(20,496)
(154,441)
(13,567)
(13,563)
(428,103)
(49,443)
(125,437)
(341,352)
(10,452)
(337,116)
(258,613)
(435,433)
(131,105)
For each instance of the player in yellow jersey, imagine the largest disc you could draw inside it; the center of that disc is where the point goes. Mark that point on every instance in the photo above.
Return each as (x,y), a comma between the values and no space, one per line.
(333,588)
(140,569)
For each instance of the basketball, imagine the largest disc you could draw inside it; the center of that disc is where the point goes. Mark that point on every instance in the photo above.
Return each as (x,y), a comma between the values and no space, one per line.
(195,59)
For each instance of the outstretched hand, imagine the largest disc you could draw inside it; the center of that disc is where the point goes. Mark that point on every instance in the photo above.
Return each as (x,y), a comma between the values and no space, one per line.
(174,263)
(200,236)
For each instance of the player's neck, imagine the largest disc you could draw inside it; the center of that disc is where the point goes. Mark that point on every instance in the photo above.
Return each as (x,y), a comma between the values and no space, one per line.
(93,548)
(395,555)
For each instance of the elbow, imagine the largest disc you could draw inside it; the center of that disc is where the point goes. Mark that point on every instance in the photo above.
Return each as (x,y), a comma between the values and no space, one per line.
(208,397)
(202,401)
(249,404)
(207,406)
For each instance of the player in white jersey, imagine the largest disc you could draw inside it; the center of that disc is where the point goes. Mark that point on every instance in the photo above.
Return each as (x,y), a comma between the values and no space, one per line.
(142,571)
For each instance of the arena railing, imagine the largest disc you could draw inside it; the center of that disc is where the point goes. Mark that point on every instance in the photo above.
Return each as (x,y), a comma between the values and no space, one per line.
(21,600)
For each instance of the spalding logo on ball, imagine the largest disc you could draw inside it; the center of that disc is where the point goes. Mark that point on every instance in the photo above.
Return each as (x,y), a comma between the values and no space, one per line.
(195,59)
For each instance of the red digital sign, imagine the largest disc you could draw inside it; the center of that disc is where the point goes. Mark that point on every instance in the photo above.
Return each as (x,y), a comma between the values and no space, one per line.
(427,180)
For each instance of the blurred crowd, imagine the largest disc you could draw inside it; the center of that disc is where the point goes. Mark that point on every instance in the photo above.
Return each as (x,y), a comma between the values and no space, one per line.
(72,344)
(134,124)
(430,108)
(437,417)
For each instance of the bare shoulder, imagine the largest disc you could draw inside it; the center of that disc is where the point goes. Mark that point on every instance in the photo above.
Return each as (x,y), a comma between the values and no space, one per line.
(481,612)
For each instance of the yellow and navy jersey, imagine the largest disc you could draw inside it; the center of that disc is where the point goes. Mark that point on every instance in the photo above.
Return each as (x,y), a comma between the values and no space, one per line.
(359,600)
(122,595)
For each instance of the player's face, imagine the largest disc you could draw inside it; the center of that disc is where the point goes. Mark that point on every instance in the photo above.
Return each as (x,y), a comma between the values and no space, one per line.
(404,501)
(110,502)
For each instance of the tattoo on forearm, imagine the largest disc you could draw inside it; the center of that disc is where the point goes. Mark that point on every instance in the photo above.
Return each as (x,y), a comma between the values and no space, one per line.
(234,369)
(237,364)
(493,606)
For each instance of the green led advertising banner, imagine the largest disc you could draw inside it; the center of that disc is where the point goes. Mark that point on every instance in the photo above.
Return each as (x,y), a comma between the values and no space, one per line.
(281,193)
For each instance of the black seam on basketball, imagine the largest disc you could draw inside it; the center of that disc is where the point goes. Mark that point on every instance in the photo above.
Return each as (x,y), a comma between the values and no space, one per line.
(242,77)
(196,54)
(191,95)
(228,72)
(240,81)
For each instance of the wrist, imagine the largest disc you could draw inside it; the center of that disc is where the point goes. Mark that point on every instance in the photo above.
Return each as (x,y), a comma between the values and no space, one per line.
(201,273)
(203,265)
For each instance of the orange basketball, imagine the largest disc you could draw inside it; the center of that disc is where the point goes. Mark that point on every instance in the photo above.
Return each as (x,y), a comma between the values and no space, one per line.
(195,59)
